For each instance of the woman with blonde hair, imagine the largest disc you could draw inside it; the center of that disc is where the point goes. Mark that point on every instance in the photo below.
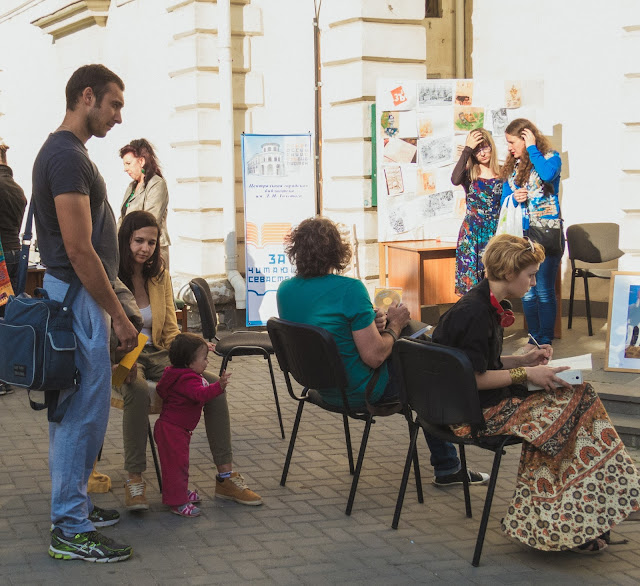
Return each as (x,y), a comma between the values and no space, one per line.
(478,172)
(575,480)
(532,174)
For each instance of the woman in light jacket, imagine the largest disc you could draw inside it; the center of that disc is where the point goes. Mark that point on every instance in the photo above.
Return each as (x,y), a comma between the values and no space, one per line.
(147,190)
(142,271)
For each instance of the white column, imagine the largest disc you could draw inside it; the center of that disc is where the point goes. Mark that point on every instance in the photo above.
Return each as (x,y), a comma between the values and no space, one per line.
(361,41)
(197,197)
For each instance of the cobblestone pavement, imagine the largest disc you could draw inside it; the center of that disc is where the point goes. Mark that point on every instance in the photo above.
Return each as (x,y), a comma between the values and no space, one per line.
(301,534)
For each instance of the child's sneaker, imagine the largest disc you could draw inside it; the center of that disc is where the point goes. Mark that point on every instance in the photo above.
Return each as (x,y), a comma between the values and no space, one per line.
(90,547)
(188,510)
(193,496)
(234,488)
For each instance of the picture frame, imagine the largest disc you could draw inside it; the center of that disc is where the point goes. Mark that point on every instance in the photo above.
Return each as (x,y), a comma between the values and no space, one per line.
(623,336)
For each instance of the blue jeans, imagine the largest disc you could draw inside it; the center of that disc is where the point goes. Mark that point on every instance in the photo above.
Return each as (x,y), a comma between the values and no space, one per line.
(444,457)
(539,303)
(74,443)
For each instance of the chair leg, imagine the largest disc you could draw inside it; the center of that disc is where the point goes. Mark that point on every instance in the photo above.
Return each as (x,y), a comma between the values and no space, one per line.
(588,303)
(275,395)
(356,476)
(292,442)
(223,366)
(347,437)
(413,435)
(487,506)
(152,444)
(465,480)
(573,289)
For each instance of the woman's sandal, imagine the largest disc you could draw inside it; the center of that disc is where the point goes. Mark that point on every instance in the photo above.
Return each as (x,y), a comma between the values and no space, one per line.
(606,537)
(188,510)
(591,547)
(193,496)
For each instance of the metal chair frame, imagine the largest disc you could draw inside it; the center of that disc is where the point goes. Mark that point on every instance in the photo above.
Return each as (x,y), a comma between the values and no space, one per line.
(445,380)
(234,343)
(590,243)
(314,362)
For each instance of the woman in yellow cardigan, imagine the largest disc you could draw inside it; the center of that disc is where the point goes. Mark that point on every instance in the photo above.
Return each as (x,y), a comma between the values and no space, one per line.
(142,271)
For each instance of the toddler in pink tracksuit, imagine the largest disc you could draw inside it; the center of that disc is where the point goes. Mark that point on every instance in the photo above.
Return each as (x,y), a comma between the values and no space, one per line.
(184,391)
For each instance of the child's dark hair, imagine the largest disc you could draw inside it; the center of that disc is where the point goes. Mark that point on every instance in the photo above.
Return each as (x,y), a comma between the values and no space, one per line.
(182,351)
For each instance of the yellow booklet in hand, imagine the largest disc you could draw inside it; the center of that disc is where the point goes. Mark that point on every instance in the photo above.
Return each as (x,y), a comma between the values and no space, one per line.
(127,362)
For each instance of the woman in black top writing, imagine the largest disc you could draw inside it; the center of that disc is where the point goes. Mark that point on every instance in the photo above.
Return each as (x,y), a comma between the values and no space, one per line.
(575,479)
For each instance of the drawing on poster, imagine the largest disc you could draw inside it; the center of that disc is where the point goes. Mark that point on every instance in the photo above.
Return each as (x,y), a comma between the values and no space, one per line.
(434,122)
(426,182)
(399,96)
(397,150)
(467,118)
(513,94)
(435,93)
(499,121)
(438,205)
(435,151)
(393,175)
(464,92)
(390,122)
(398,220)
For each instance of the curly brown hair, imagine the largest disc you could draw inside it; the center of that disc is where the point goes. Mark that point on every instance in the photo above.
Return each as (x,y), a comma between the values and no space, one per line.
(515,128)
(317,248)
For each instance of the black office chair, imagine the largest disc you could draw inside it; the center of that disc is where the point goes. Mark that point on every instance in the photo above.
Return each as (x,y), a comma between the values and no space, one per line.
(310,355)
(440,387)
(591,243)
(241,343)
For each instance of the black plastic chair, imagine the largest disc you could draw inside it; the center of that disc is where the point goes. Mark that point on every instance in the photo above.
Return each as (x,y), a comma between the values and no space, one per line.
(310,355)
(440,387)
(241,343)
(591,243)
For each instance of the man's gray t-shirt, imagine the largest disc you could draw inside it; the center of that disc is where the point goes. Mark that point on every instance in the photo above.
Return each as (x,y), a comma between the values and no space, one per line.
(63,166)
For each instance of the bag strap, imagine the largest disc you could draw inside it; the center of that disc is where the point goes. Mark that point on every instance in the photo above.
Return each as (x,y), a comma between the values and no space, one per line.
(23,261)
(381,409)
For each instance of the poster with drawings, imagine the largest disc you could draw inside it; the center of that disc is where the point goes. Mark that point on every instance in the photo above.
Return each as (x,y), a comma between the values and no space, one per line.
(421,129)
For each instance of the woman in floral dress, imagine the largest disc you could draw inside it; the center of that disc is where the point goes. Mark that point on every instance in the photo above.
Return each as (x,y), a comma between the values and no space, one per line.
(575,479)
(477,171)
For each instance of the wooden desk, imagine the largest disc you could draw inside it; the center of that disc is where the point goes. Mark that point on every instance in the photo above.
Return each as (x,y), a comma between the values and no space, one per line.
(425,269)
(35,276)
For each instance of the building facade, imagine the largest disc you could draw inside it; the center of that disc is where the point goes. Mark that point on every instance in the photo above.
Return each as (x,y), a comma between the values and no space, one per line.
(167,53)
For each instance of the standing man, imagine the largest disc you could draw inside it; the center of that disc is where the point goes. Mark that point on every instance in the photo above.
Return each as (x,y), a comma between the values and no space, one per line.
(77,239)
(12,204)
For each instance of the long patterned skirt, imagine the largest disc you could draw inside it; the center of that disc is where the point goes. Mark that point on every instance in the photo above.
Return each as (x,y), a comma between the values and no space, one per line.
(575,478)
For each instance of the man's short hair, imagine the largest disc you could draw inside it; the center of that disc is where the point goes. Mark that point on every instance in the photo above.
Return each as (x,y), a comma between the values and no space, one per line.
(95,76)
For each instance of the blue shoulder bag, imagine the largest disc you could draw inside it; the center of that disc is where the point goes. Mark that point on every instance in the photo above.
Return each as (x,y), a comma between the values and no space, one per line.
(37,342)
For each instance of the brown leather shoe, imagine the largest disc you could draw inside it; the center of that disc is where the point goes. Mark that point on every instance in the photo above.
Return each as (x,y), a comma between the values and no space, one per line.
(135,496)
(234,488)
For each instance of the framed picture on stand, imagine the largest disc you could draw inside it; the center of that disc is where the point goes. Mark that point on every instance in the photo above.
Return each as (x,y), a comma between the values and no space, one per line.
(623,340)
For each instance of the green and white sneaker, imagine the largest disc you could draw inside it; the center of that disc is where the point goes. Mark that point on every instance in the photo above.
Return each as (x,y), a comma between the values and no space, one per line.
(90,547)
(103,517)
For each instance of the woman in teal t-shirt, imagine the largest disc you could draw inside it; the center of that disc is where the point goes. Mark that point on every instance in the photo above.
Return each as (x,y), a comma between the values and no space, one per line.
(319,296)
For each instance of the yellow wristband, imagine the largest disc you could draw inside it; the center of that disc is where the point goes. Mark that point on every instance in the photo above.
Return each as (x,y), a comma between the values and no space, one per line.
(518,375)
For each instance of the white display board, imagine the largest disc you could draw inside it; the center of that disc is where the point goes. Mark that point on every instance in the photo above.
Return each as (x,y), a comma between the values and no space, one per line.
(279,193)
(421,128)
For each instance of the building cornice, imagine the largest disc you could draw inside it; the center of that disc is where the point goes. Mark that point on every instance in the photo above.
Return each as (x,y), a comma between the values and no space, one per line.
(74,17)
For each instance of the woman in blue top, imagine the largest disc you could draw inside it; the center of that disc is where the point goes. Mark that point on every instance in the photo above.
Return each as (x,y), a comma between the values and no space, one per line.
(532,174)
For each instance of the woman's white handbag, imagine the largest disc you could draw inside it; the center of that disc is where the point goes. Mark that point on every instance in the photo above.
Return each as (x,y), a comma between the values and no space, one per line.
(510,219)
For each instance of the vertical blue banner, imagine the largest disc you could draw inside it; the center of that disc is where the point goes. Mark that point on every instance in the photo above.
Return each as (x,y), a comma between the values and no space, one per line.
(278,181)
